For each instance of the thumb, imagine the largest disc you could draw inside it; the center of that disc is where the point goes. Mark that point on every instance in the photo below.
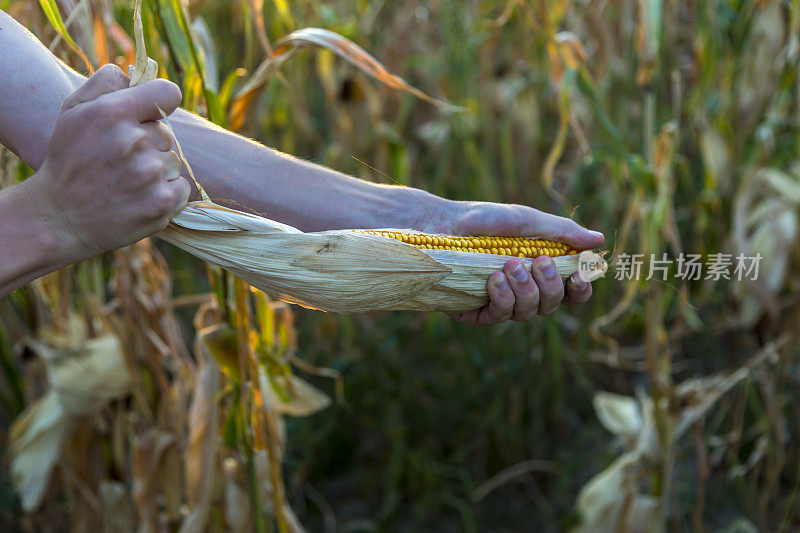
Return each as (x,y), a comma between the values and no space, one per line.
(565,230)
(143,101)
(505,219)
(107,79)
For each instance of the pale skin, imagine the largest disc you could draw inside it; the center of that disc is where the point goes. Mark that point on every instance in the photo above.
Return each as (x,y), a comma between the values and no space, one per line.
(105,177)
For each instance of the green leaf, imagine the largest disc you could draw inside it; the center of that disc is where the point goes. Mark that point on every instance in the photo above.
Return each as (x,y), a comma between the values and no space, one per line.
(232,426)
(226,91)
(51,12)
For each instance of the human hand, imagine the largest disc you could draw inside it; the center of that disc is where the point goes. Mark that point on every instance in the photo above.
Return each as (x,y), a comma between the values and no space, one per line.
(515,292)
(109,177)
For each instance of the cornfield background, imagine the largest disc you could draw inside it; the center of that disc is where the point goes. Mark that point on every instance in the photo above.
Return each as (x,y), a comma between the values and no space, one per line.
(176,398)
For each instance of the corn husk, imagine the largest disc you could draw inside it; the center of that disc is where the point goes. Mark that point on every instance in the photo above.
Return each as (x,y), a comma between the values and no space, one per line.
(342,271)
(84,377)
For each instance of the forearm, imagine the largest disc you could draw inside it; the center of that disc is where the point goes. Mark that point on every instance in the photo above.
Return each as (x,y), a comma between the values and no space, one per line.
(29,248)
(287,189)
(33,83)
(233,168)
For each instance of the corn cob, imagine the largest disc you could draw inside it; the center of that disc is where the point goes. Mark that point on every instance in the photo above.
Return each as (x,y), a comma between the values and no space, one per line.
(512,246)
(356,270)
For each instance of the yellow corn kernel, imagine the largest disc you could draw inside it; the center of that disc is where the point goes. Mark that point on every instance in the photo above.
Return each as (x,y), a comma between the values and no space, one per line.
(512,246)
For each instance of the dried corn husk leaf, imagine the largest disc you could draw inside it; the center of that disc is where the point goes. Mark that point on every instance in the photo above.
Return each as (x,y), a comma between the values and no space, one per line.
(613,499)
(342,271)
(236,503)
(144,68)
(765,222)
(82,383)
(147,462)
(304,399)
(344,48)
(201,453)
(618,414)
(264,474)
(37,439)
(116,507)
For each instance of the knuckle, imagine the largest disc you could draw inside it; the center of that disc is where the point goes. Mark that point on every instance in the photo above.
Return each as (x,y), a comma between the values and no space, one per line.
(553,290)
(161,201)
(160,135)
(105,71)
(134,141)
(505,316)
(587,293)
(110,109)
(67,104)
(155,171)
(162,222)
(112,72)
(149,174)
(528,298)
(524,316)
(183,192)
(169,93)
(581,294)
(500,312)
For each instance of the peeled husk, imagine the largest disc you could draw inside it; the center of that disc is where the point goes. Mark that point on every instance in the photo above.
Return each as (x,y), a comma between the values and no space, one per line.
(84,376)
(342,271)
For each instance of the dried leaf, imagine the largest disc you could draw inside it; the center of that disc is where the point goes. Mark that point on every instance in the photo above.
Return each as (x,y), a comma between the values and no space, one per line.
(81,383)
(50,9)
(618,414)
(144,68)
(611,500)
(146,462)
(235,500)
(303,398)
(201,454)
(117,510)
(340,46)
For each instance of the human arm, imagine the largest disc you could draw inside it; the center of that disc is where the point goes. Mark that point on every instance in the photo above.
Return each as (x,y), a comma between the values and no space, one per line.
(105,138)
(292,191)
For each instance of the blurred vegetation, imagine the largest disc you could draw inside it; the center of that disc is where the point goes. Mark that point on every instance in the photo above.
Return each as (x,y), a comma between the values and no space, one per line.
(670,126)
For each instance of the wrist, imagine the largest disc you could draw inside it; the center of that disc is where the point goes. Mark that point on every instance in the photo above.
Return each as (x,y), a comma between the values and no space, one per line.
(48,232)
(432,214)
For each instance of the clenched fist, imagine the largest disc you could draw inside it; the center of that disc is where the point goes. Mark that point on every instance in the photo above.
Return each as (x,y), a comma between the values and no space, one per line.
(109,177)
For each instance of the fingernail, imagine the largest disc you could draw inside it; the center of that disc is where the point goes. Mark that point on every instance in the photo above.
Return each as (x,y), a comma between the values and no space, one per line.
(547,267)
(596,234)
(502,283)
(520,273)
(580,284)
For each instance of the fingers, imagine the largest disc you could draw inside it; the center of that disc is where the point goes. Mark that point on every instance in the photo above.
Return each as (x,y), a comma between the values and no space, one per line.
(180,193)
(110,86)
(172,165)
(526,293)
(520,294)
(501,300)
(501,303)
(578,290)
(108,79)
(145,99)
(566,230)
(158,136)
(142,102)
(551,287)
